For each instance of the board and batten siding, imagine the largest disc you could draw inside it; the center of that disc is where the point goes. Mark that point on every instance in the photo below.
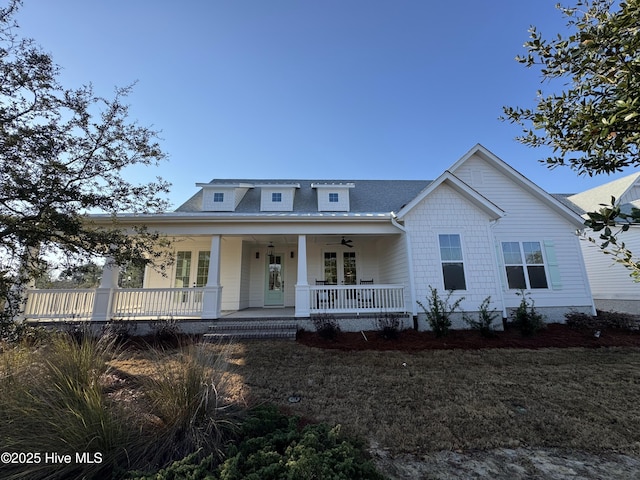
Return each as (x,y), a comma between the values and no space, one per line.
(528,218)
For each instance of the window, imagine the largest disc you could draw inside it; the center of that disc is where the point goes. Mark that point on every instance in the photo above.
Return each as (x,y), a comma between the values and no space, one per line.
(202,273)
(333,198)
(452,265)
(183,269)
(276,197)
(218,197)
(524,265)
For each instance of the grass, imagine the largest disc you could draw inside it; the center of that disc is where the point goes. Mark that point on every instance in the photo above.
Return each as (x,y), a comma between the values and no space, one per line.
(418,402)
(568,398)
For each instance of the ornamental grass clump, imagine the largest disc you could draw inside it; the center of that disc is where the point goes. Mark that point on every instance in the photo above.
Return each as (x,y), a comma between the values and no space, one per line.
(439,311)
(55,402)
(189,393)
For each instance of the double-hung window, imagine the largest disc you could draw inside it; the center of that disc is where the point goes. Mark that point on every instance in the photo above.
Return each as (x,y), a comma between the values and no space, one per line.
(218,197)
(276,197)
(524,265)
(452,263)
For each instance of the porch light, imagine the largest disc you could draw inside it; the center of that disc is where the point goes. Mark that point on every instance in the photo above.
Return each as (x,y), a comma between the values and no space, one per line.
(270,252)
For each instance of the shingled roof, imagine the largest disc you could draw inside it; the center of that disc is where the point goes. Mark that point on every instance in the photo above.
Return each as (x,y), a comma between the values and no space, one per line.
(368,196)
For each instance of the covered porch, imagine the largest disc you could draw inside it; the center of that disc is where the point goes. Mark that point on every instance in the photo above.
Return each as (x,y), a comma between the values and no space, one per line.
(219,276)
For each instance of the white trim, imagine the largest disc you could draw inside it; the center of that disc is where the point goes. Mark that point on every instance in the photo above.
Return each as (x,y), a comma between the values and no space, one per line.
(464,268)
(460,187)
(521,180)
(524,263)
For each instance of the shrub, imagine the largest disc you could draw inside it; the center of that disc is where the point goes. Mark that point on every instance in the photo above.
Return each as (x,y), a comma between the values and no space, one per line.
(326,325)
(486,317)
(526,318)
(388,326)
(165,332)
(438,311)
(191,467)
(119,330)
(604,320)
(273,446)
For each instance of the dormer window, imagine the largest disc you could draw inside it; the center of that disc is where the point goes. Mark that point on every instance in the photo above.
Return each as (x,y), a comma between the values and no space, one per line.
(277,197)
(333,197)
(222,197)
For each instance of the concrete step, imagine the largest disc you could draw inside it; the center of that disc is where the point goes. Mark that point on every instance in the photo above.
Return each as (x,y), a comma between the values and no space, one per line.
(251,329)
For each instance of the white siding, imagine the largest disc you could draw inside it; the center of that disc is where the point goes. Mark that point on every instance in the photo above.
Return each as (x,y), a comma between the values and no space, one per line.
(610,280)
(323,192)
(268,205)
(433,216)
(529,219)
(393,265)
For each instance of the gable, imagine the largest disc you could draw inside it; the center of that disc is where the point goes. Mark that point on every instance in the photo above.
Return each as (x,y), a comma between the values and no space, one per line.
(461,189)
(510,190)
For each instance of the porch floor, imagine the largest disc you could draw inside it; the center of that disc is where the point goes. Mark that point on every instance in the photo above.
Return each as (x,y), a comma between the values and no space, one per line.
(257,313)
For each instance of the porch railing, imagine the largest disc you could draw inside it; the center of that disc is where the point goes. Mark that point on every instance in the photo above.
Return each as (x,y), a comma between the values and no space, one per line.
(130,303)
(356,298)
(60,304)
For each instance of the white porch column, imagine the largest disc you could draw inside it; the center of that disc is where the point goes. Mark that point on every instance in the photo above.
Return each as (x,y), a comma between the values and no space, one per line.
(104,293)
(212,296)
(302,286)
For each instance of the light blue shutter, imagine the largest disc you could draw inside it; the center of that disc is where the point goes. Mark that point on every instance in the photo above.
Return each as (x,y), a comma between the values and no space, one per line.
(552,263)
(501,271)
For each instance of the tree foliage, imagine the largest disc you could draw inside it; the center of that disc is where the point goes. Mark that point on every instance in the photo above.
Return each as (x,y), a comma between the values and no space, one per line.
(593,124)
(63,152)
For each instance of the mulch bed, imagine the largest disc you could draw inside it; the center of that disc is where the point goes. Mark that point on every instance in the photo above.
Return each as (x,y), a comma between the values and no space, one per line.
(555,335)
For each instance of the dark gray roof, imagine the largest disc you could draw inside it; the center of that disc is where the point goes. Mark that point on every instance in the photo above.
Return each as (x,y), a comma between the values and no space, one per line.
(368,196)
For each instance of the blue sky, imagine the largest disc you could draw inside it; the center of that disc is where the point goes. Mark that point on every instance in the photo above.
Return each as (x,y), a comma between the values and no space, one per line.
(344,89)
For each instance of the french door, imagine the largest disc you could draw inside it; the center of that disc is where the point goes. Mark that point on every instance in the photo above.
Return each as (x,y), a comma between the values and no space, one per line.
(340,268)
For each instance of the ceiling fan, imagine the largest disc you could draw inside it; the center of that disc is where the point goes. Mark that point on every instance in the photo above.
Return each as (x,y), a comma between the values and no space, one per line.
(345,242)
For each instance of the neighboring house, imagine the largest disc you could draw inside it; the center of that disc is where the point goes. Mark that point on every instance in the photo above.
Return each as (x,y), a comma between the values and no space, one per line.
(356,248)
(611,285)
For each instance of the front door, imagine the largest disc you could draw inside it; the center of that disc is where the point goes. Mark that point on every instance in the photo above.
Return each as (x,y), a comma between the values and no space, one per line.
(274,291)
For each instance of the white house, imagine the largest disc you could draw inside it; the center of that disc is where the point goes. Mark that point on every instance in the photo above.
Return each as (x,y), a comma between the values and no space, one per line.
(353,248)
(611,285)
